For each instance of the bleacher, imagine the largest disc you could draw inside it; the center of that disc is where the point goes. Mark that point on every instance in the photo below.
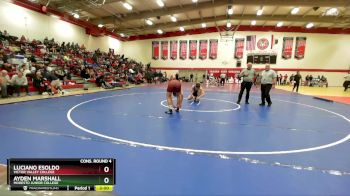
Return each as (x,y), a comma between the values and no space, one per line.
(51,55)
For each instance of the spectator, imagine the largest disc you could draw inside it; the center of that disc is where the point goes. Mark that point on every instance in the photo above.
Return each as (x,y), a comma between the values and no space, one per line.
(20,81)
(25,70)
(32,59)
(23,39)
(281,78)
(291,79)
(285,79)
(148,77)
(346,83)
(160,77)
(5,81)
(85,73)
(60,74)
(8,67)
(139,78)
(67,73)
(46,41)
(63,45)
(222,79)
(191,77)
(100,82)
(324,81)
(6,34)
(39,84)
(307,79)
(155,77)
(131,78)
(310,80)
(92,73)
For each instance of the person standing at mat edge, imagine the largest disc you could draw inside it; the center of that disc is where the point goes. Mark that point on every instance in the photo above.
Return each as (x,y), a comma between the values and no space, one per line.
(346,83)
(248,75)
(174,88)
(222,79)
(297,79)
(268,78)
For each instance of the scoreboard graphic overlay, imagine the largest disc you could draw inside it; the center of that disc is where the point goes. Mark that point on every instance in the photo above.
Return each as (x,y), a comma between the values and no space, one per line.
(85,174)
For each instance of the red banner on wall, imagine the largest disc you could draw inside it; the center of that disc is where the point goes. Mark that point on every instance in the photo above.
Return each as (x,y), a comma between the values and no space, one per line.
(239,48)
(183,49)
(287,47)
(173,50)
(155,50)
(300,47)
(203,49)
(193,49)
(229,73)
(165,49)
(213,48)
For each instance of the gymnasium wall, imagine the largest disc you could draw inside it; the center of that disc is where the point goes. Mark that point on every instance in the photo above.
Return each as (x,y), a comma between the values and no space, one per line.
(20,21)
(323,51)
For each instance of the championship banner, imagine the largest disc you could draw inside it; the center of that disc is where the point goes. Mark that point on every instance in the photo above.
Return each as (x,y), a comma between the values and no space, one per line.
(165,49)
(183,49)
(203,49)
(173,50)
(300,47)
(287,47)
(193,49)
(239,47)
(213,48)
(155,50)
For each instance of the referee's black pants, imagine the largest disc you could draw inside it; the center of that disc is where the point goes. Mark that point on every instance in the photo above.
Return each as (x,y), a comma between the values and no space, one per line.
(265,93)
(247,86)
(222,81)
(346,85)
(296,84)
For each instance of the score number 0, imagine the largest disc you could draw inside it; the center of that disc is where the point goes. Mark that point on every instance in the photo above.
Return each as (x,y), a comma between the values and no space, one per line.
(106,179)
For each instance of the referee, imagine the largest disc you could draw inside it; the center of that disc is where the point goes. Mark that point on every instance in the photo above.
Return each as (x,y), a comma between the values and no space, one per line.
(268,78)
(297,79)
(248,77)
